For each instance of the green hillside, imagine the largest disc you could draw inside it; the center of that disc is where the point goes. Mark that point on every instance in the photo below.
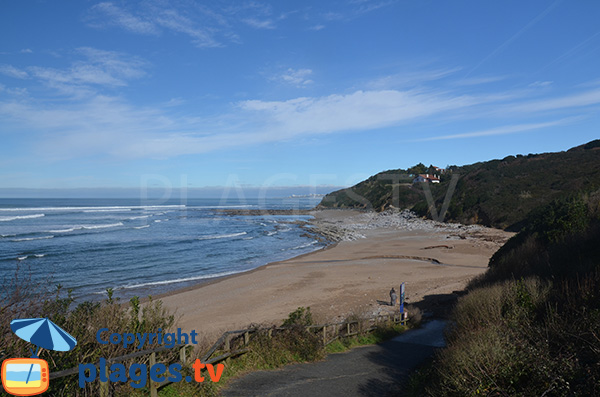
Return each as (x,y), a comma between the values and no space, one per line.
(498,193)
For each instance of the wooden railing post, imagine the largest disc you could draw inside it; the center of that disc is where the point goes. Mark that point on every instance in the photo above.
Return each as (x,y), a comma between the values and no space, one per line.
(227,344)
(104,387)
(246,338)
(183,355)
(153,387)
(324,334)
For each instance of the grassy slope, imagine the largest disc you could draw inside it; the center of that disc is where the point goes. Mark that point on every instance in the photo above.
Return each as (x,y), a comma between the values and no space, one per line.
(530,325)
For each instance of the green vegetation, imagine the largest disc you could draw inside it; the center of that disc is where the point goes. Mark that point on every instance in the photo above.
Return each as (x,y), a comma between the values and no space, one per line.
(381,334)
(294,344)
(24,299)
(498,193)
(530,326)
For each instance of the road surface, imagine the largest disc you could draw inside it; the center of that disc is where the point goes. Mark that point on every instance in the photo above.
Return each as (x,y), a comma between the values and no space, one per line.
(374,370)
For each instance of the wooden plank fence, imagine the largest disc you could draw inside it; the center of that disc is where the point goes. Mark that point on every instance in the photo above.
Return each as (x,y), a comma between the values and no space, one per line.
(235,343)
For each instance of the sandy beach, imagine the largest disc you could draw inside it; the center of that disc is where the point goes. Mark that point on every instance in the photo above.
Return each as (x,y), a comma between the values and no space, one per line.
(375,252)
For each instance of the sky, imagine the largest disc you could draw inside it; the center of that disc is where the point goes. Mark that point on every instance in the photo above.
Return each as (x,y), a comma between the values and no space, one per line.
(308,94)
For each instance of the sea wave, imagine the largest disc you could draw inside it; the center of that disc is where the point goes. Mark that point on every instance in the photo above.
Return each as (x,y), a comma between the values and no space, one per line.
(141,227)
(216,236)
(32,239)
(223,206)
(90,227)
(178,280)
(271,233)
(22,258)
(14,218)
(139,217)
(304,245)
(66,230)
(111,208)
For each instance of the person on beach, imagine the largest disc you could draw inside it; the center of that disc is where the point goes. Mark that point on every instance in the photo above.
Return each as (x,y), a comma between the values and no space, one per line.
(393,296)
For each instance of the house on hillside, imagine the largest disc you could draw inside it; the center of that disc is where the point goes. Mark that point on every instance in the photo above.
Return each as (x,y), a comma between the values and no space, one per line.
(430,178)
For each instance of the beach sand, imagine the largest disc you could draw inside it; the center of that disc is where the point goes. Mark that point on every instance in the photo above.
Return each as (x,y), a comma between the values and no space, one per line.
(349,277)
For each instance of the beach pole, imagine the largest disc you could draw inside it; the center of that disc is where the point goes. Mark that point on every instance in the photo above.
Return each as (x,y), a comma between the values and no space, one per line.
(402,287)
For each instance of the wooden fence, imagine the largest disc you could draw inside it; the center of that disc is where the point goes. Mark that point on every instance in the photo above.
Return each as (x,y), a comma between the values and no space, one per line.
(235,343)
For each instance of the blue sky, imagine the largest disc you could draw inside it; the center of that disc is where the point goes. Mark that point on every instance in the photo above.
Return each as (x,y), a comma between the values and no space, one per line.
(190,94)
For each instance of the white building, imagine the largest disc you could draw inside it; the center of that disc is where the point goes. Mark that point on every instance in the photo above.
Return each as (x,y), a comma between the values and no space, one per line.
(426,178)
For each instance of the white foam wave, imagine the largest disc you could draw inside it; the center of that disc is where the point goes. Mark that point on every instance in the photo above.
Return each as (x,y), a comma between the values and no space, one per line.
(158,221)
(109,210)
(247,238)
(141,227)
(22,258)
(7,235)
(66,230)
(120,208)
(304,245)
(271,233)
(32,239)
(224,206)
(102,226)
(14,218)
(216,236)
(177,280)
(139,217)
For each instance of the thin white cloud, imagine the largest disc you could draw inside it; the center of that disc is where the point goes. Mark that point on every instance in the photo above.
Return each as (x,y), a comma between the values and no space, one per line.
(97,68)
(410,78)
(259,24)
(26,51)
(510,129)
(102,125)
(541,84)
(514,37)
(124,19)
(355,9)
(173,20)
(571,52)
(295,77)
(579,100)
(12,71)
(207,25)
(361,110)
(479,80)
(316,28)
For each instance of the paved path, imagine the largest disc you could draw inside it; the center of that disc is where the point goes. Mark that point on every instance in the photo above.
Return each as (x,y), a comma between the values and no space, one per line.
(366,371)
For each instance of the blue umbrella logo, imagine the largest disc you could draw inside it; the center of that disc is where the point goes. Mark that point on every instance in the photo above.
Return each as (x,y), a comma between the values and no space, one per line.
(44,334)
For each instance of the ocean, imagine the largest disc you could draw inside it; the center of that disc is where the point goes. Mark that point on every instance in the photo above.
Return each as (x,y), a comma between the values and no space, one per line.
(143,248)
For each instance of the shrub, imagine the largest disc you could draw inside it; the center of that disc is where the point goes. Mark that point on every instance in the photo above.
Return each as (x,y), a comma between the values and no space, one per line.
(23,298)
